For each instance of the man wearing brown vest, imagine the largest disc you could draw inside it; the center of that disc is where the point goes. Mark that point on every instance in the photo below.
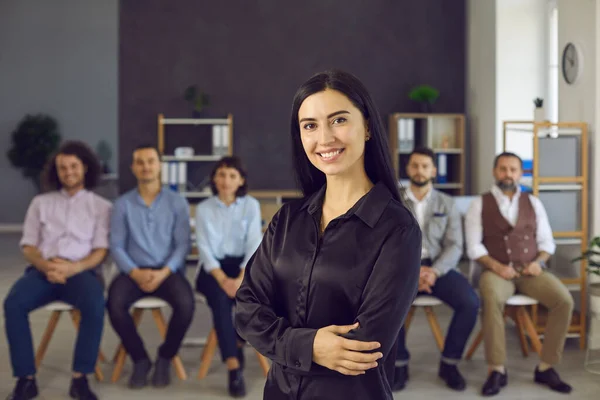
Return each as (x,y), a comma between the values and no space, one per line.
(508,234)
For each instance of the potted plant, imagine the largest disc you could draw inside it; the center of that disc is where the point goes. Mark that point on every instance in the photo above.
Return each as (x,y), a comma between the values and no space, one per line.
(592,256)
(425,95)
(32,142)
(538,113)
(197,99)
(104,155)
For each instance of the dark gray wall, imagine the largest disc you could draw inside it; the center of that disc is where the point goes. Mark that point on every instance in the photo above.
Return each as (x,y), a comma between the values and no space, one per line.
(251,57)
(57,57)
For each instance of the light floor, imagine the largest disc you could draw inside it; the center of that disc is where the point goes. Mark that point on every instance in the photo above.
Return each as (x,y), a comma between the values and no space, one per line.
(53,376)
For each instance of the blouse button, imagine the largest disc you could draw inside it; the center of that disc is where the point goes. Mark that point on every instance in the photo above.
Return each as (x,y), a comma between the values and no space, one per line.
(505,237)
(526,237)
(508,251)
(526,250)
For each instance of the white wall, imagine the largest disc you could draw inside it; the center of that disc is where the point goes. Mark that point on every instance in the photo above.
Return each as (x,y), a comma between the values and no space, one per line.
(521,67)
(506,69)
(481,91)
(579,23)
(57,57)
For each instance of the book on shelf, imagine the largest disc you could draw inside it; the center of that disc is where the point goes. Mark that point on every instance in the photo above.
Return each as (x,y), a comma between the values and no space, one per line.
(220,140)
(174,175)
(406,135)
(442,168)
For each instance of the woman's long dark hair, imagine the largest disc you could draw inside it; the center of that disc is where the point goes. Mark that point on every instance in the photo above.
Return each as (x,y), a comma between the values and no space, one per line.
(378,162)
(80,150)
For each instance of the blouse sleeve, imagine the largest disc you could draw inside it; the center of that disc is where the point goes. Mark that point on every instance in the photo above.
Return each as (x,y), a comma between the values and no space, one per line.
(255,317)
(390,290)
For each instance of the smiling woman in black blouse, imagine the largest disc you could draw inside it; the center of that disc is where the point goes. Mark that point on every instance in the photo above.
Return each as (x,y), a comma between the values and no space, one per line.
(327,291)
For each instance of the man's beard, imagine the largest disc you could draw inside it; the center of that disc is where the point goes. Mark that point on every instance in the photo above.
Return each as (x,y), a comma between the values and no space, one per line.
(72,186)
(420,183)
(507,184)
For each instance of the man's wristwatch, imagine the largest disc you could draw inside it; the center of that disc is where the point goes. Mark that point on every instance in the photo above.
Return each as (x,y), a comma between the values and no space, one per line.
(542,264)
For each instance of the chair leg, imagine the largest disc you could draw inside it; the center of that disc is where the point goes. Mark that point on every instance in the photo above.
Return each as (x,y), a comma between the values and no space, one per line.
(41,352)
(208,353)
(474,345)
(264,364)
(409,318)
(435,327)
(121,354)
(533,335)
(521,331)
(76,318)
(162,329)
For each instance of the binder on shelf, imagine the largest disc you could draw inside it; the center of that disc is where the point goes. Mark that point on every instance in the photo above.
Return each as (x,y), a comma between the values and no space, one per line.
(173,175)
(224,140)
(182,176)
(164,173)
(442,168)
(406,135)
(216,140)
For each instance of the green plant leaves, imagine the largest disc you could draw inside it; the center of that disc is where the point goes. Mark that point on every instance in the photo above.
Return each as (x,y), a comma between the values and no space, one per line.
(32,142)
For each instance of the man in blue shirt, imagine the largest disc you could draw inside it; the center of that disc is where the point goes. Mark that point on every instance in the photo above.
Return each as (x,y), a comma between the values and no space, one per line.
(149,240)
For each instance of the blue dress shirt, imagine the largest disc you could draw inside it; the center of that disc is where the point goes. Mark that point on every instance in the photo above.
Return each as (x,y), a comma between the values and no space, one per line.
(154,236)
(222,230)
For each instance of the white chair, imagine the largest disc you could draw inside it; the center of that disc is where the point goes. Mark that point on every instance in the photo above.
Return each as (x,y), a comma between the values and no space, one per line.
(192,341)
(154,305)
(516,308)
(427,302)
(56,309)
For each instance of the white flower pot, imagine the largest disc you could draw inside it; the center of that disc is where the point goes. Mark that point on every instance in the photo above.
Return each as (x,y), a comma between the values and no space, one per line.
(539,114)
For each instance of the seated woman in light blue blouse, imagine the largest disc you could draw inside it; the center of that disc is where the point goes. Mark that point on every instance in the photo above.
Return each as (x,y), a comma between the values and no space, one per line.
(228,232)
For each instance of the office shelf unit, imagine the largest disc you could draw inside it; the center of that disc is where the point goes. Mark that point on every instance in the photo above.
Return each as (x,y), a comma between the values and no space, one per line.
(194,196)
(559,177)
(443,133)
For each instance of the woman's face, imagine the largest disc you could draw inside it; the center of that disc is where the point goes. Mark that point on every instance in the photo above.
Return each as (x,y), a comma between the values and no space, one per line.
(333,133)
(228,181)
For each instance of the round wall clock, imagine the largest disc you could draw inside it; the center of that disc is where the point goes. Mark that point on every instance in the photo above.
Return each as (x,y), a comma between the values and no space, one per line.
(571,63)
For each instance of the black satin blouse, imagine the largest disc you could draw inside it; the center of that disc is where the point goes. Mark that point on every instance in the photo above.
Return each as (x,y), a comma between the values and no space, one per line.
(365,268)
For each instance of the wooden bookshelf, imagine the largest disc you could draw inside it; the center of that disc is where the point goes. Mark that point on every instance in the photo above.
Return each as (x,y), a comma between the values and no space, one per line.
(559,177)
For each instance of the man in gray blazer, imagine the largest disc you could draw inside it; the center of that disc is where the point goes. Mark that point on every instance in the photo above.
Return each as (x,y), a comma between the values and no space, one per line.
(442,247)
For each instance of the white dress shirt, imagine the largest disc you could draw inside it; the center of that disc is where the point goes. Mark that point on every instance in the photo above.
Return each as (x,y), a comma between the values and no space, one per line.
(509,208)
(419,207)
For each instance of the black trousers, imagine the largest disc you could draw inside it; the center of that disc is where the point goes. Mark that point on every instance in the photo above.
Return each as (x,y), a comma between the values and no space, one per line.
(221,305)
(175,290)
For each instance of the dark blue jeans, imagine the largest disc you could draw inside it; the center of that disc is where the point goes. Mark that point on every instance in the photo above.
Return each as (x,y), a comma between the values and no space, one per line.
(222,306)
(453,289)
(83,291)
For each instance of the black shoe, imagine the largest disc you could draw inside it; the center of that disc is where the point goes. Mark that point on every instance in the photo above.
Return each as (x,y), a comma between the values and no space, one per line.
(139,376)
(237,386)
(241,358)
(450,374)
(80,389)
(494,383)
(550,378)
(400,378)
(25,389)
(162,372)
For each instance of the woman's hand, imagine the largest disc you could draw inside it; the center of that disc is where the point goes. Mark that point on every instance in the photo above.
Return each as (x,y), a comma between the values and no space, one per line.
(344,355)
(230,287)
